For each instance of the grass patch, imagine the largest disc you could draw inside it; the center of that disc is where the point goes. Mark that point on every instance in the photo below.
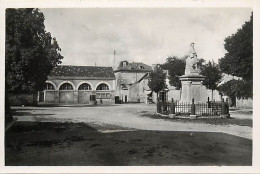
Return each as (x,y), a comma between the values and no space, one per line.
(214,121)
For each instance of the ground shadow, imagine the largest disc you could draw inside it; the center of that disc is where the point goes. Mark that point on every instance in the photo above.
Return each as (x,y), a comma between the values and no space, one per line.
(78,144)
(22,113)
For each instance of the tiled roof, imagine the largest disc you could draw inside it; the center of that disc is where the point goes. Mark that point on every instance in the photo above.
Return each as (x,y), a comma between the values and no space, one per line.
(82,71)
(135,66)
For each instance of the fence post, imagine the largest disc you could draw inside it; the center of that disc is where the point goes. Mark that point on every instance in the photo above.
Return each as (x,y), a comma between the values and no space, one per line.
(164,107)
(193,110)
(223,109)
(172,109)
(159,107)
(209,103)
(227,108)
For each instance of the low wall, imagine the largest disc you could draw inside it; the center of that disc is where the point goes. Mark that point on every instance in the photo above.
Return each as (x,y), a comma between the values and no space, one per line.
(68,97)
(50,96)
(174,94)
(244,103)
(77,97)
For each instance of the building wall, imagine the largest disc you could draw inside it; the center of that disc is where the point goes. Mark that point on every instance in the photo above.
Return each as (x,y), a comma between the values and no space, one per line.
(129,77)
(216,95)
(84,96)
(174,94)
(79,96)
(50,96)
(76,83)
(136,91)
(244,103)
(142,90)
(68,96)
(124,95)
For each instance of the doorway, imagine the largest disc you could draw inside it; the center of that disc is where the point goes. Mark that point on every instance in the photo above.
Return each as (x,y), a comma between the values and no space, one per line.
(125,98)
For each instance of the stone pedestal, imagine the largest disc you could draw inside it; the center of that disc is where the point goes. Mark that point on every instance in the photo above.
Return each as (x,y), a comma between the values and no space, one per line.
(192,87)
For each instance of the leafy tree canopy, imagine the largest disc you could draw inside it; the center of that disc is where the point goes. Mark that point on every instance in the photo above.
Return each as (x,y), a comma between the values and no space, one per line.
(237,88)
(212,73)
(157,80)
(31,52)
(238,61)
(176,68)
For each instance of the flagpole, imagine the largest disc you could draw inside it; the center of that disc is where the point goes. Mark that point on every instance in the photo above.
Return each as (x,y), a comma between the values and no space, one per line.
(114,66)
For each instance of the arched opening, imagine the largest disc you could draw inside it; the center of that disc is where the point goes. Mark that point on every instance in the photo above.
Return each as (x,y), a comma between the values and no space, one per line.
(102,86)
(66,86)
(84,86)
(102,92)
(49,86)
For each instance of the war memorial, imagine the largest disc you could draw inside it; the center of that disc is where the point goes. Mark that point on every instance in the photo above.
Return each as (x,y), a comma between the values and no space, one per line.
(193,102)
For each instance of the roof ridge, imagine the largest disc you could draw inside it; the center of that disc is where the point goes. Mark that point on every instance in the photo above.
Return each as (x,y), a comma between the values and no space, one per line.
(82,71)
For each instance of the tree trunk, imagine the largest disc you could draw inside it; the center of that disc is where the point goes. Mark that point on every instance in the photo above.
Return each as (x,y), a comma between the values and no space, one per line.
(212,95)
(180,92)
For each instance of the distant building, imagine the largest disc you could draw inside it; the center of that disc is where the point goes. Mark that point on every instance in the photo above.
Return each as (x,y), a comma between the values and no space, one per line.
(75,84)
(132,81)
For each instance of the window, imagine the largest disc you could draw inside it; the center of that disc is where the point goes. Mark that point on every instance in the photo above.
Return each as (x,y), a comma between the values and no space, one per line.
(66,86)
(103,95)
(102,86)
(84,86)
(48,86)
(141,67)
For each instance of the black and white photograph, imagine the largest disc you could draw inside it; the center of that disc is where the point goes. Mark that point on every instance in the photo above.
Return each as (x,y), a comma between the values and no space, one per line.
(128,86)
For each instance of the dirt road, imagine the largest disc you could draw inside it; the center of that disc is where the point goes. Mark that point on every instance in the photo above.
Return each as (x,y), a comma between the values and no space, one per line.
(126,116)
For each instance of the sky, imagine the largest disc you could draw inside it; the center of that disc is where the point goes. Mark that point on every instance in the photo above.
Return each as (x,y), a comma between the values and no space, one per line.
(89,36)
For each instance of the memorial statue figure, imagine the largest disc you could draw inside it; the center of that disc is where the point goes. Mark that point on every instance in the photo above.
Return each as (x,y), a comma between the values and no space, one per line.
(191,61)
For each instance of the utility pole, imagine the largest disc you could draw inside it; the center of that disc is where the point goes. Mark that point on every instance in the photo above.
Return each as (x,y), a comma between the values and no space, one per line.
(114,62)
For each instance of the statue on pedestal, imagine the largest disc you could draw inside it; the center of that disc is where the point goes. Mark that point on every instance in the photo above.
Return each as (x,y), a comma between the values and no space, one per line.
(191,81)
(192,61)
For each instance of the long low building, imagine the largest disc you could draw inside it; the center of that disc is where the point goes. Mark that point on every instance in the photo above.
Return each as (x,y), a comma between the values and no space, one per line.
(77,84)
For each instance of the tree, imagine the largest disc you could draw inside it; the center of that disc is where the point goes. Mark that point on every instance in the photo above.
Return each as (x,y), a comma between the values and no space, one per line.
(30,54)
(213,75)
(157,80)
(176,68)
(236,89)
(238,61)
